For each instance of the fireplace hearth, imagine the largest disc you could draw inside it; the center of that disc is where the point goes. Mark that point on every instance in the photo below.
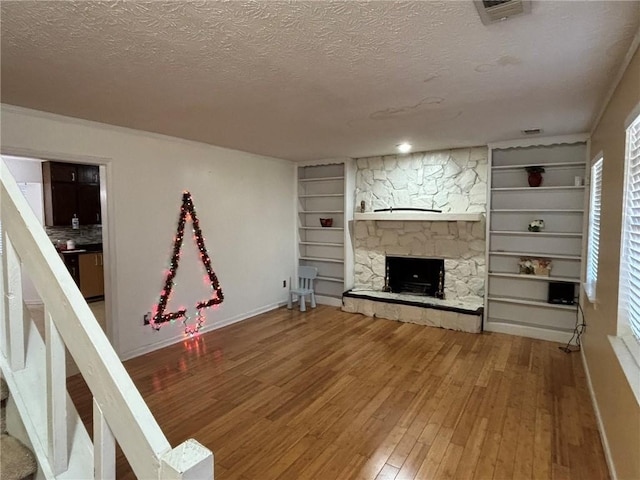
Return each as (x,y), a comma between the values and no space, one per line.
(415,275)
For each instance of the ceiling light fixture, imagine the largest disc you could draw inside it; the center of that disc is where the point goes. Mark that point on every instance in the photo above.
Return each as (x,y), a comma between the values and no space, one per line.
(404,147)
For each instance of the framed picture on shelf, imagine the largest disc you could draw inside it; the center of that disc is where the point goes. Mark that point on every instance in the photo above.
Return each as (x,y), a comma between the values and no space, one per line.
(534,266)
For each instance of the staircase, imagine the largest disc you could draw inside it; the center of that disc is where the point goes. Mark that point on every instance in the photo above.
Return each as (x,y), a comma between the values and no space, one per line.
(34,369)
(17,462)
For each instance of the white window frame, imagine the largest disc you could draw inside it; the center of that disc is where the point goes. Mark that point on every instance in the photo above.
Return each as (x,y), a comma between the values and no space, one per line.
(625,345)
(593,239)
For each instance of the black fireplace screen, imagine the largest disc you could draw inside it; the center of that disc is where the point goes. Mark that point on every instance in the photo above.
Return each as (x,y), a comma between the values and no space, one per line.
(415,275)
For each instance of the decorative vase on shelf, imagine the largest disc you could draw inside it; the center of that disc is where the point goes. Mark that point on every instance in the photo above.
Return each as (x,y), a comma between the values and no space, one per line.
(535,175)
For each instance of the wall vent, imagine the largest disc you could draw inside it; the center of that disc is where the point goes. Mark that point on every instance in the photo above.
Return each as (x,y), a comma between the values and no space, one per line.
(492,11)
(532,131)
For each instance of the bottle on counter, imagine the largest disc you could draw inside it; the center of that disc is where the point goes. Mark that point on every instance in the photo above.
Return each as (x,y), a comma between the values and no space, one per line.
(75,222)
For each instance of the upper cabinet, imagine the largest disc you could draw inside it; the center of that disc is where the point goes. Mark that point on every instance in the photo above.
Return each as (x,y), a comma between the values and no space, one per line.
(71,189)
(89,174)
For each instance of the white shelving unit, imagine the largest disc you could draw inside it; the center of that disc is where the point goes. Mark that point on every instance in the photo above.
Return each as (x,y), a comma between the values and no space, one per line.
(518,303)
(325,190)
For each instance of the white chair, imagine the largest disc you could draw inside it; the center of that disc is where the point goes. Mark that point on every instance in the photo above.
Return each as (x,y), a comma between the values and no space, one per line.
(306,275)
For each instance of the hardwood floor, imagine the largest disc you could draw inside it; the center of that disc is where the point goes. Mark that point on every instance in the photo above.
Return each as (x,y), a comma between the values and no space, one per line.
(332,395)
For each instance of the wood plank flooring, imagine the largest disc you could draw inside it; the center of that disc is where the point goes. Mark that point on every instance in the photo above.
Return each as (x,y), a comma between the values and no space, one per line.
(332,395)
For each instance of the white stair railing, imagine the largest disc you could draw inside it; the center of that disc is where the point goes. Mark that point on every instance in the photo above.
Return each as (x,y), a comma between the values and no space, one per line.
(35,369)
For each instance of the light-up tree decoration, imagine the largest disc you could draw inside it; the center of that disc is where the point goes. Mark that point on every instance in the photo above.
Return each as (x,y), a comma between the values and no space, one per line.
(158,315)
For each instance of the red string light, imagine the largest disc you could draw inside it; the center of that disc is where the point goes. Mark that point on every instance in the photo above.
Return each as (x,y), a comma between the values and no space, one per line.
(158,317)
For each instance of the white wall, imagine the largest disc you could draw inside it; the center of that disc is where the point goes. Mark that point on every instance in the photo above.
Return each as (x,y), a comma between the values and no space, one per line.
(28,174)
(24,170)
(617,408)
(244,203)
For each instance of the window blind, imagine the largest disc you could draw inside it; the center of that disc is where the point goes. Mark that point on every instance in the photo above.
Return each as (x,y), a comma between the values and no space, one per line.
(593,245)
(629,298)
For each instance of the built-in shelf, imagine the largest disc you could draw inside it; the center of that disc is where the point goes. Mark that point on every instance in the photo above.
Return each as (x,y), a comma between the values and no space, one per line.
(518,189)
(544,165)
(517,303)
(324,195)
(320,228)
(532,303)
(537,255)
(330,279)
(534,277)
(401,216)
(311,212)
(323,244)
(540,210)
(537,234)
(320,179)
(326,189)
(319,259)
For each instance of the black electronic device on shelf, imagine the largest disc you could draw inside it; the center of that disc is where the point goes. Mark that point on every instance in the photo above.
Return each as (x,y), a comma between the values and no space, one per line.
(561,293)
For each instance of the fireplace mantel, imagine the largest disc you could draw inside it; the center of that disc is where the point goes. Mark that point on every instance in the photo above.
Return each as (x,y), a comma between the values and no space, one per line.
(401,216)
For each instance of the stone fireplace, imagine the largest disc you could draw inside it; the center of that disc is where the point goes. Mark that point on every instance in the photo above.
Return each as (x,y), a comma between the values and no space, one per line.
(459,245)
(453,181)
(415,275)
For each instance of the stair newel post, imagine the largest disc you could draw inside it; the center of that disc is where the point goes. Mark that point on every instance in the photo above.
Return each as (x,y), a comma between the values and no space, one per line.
(56,396)
(104,446)
(188,461)
(12,304)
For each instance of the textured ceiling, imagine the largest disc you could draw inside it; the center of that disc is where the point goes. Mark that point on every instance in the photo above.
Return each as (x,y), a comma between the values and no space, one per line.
(308,80)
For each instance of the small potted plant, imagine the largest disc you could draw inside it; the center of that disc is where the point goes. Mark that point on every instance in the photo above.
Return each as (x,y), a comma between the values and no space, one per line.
(535,175)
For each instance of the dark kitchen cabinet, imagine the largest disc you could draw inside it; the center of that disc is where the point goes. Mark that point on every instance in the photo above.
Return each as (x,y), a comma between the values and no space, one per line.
(63,198)
(72,264)
(88,174)
(63,172)
(71,189)
(89,204)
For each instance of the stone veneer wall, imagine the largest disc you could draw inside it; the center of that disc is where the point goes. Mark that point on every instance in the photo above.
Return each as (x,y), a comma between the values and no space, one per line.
(447,180)
(452,181)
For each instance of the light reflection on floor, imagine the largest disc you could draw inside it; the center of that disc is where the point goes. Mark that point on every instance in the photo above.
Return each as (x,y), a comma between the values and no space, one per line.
(195,347)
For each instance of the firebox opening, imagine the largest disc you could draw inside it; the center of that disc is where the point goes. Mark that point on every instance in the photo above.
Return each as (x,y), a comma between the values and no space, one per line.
(415,275)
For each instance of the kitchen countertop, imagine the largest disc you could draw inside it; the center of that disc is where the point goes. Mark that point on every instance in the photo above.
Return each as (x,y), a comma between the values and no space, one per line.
(90,247)
(83,248)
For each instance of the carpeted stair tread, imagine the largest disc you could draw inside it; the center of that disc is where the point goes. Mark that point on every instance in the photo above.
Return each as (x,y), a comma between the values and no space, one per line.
(17,461)
(4,390)
(4,394)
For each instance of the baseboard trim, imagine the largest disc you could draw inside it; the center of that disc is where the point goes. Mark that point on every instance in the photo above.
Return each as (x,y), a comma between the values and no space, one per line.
(325,300)
(207,328)
(527,331)
(603,436)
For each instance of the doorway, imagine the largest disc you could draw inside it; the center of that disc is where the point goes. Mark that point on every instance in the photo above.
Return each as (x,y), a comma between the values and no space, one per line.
(84,248)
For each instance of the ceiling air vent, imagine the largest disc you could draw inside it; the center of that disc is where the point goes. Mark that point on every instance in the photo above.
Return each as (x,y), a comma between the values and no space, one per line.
(492,11)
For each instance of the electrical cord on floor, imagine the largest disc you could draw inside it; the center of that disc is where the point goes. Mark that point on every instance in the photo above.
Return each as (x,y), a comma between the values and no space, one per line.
(577,332)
